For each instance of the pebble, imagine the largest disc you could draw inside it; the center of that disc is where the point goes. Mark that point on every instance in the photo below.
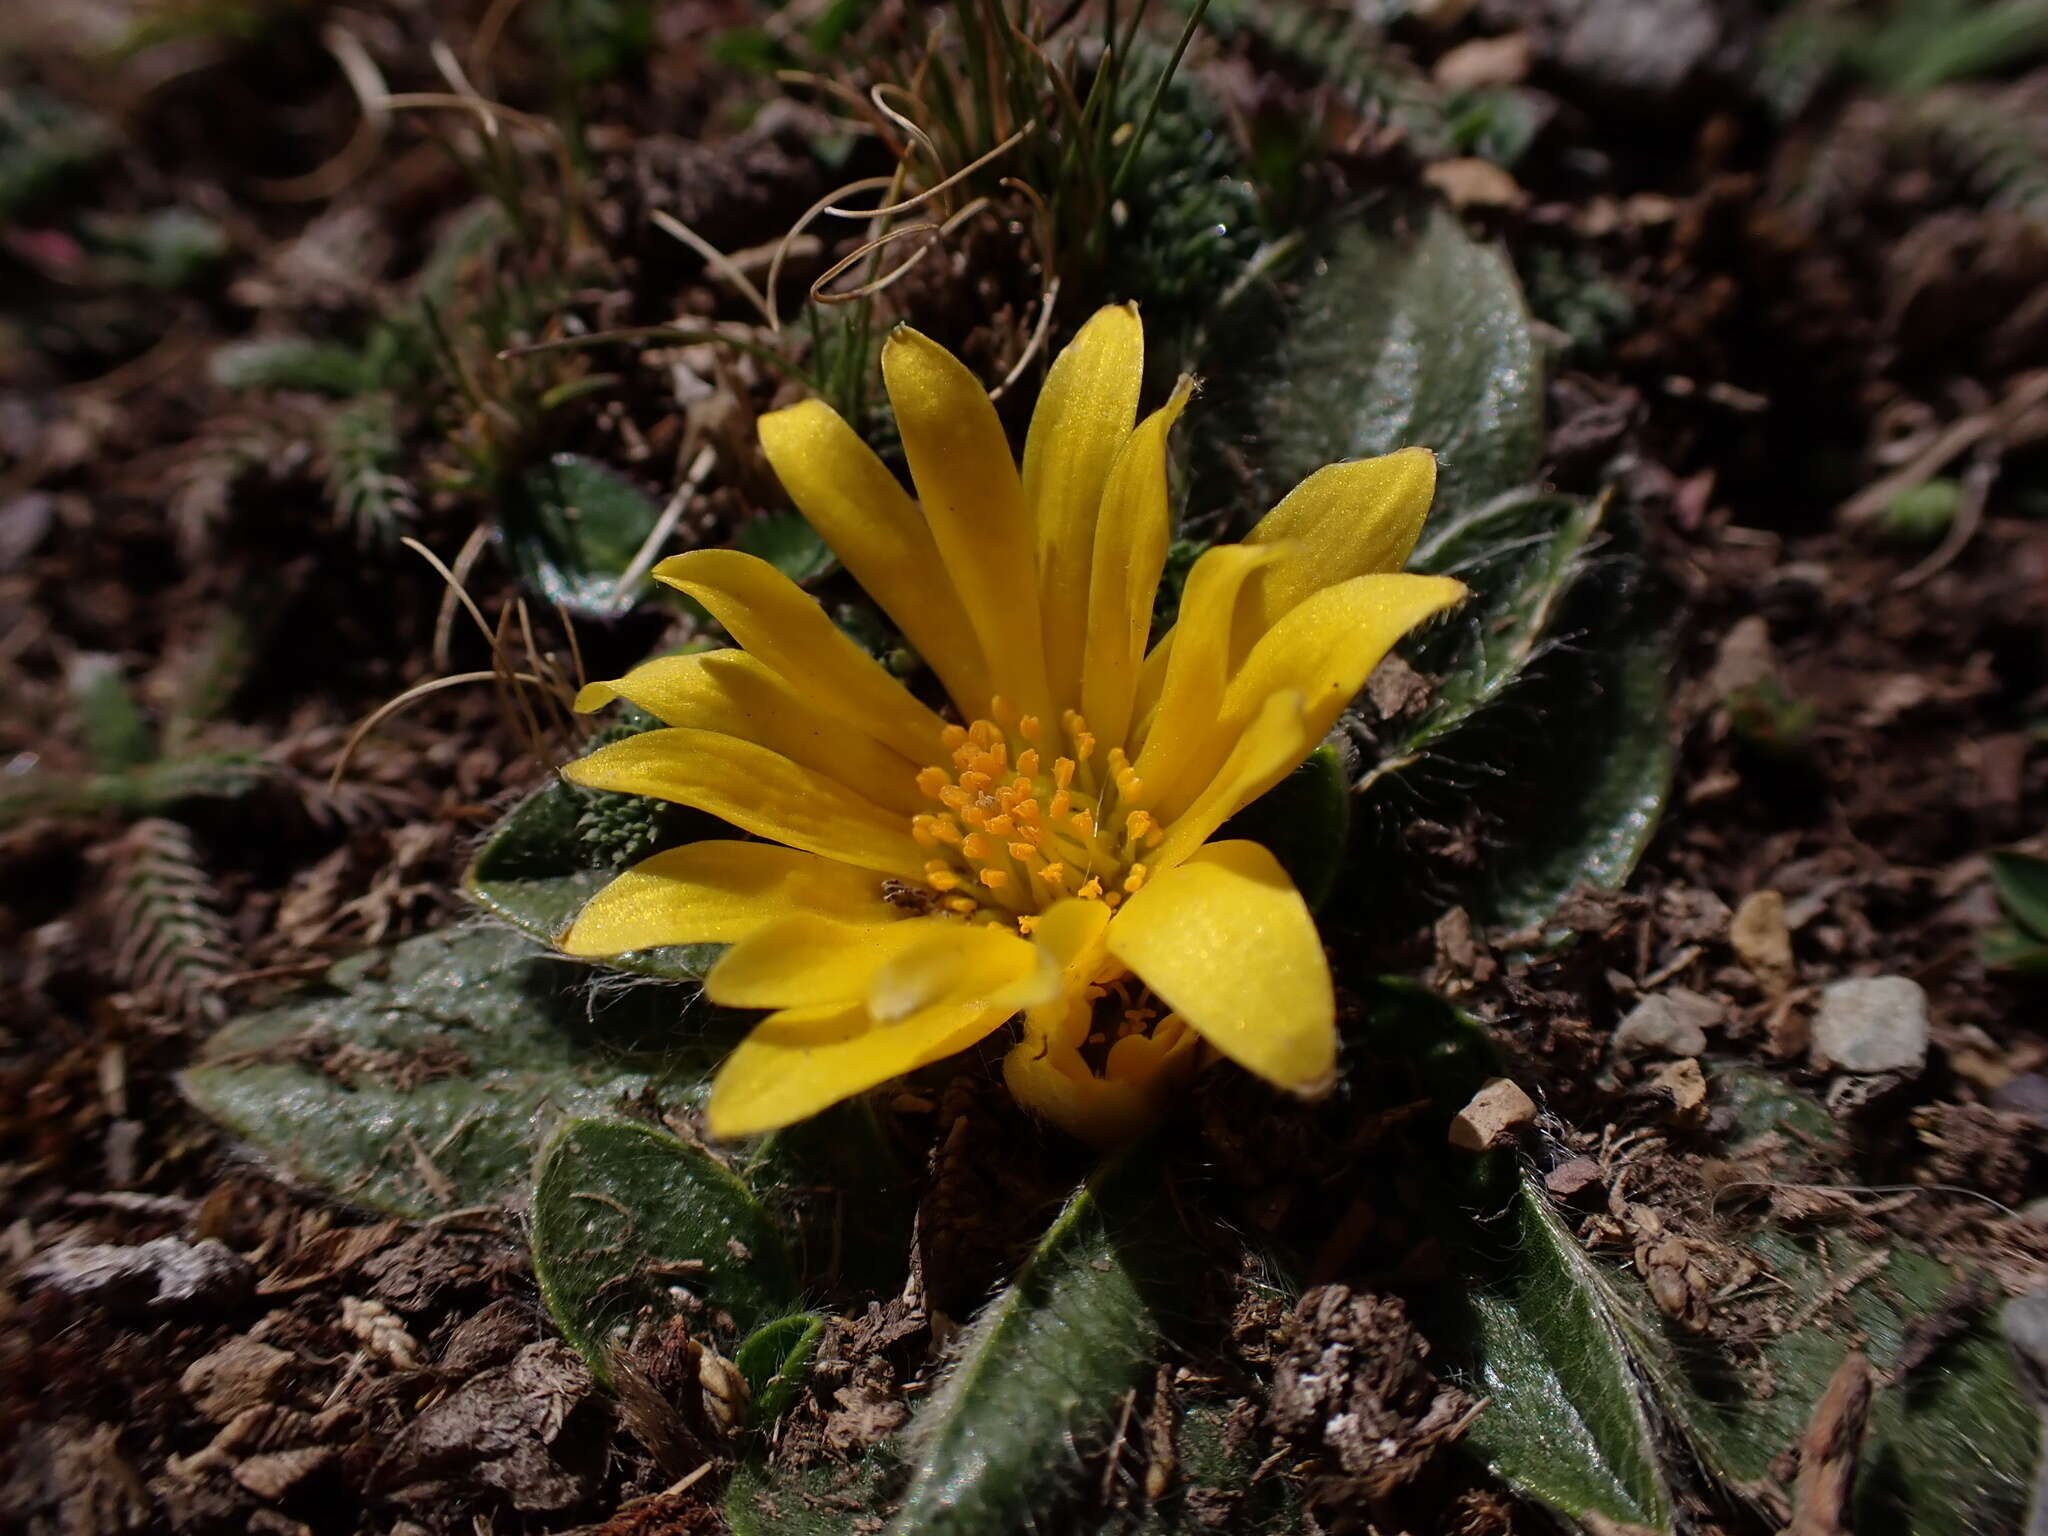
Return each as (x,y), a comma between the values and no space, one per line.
(1669,1023)
(156,1276)
(1871,1024)
(1497,1111)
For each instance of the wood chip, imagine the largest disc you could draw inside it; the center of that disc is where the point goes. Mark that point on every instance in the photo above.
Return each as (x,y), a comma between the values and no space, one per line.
(1762,939)
(1829,1451)
(1497,1111)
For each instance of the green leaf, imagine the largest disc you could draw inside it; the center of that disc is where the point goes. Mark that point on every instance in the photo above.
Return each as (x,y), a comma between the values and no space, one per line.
(1303,821)
(422,1078)
(627,1218)
(1541,1330)
(1520,554)
(2022,882)
(790,544)
(573,528)
(1582,804)
(1533,1324)
(1548,739)
(1395,337)
(44,142)
(1207,1464)
(536,869)
(1948,1447)
(1047,1364)
(117,734)
(148,789)
(2008,949)
(826,1499)
(776,1359)
(803,1169)
(290,362)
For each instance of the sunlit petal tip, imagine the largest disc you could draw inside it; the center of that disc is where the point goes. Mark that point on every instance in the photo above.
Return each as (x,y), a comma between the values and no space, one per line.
(592,697)
(1229,944)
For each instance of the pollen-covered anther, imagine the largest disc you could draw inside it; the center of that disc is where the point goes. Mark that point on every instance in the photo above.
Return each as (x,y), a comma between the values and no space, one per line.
(994,879)
(932,781)
(1135,880)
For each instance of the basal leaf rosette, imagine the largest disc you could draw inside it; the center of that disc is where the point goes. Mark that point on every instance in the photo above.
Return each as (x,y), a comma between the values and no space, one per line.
(1046,850)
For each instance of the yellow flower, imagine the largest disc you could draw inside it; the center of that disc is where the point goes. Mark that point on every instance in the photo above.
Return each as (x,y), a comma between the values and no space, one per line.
(923,880)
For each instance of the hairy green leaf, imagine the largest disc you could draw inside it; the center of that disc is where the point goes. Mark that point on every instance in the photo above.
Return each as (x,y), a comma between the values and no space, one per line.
(1951,1439)
(1393,337)
(775,1359)
(1045,1366)
(2022,881)
(539,866)
(827,1499)
(1520,554)
(1303,821)
(1567,1421)
(629,1222)
(422,1078)
(573,528)
(789,543)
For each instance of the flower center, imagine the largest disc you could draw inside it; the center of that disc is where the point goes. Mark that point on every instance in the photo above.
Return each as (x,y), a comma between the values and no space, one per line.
(1027,816)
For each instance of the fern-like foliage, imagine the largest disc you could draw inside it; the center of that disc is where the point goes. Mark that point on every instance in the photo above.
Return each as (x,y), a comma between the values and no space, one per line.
(1997,142)
(362,448)
(171,943)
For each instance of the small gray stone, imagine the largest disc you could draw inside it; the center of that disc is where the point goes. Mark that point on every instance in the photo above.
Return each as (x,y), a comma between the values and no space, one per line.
(1871,1024)
(2026,1095)
(1669,1023)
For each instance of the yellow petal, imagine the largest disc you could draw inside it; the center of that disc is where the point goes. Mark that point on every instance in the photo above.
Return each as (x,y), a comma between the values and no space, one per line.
(737,695)
(1229,944)
(1344,520)
(974,502)
(783,626)
(1323,649)
(1328,644)
(806,960)
(757,790)
(800,1061)
(1198,668)
(951,963)
(1130,552)
(877,532)
(1054,1083)
(1267,751)
(1071,933)
(1081,423)
(715,892)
